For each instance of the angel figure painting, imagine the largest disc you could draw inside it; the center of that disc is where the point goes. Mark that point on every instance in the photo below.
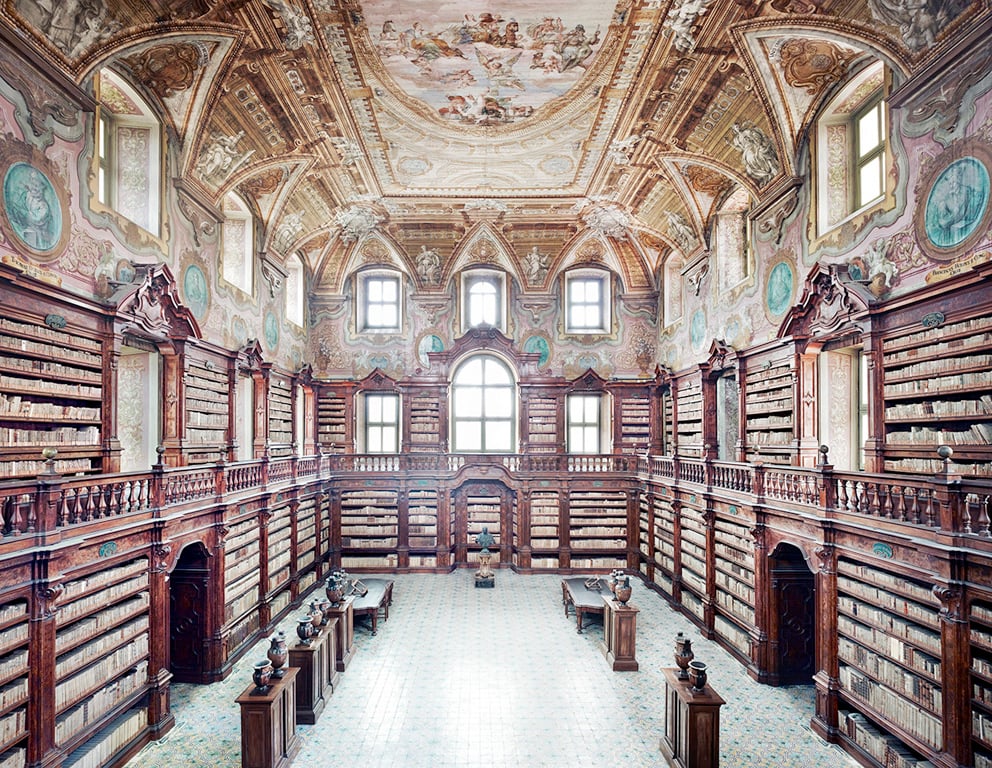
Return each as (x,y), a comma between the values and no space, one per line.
(494,66)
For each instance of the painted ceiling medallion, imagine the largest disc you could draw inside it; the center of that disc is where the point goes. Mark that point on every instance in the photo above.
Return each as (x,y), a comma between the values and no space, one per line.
(813,64)
(491,67)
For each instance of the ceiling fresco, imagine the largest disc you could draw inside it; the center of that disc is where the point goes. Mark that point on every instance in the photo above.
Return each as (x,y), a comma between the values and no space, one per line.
(551,124)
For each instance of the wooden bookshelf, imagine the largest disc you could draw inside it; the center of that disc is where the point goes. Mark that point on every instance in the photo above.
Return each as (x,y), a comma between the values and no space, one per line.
(423,427)
(51,397)
(889,649)
(769,409)
(333,432)
(422,526)
(980,634)
(597,521)
(543,431)
(280,565)
(207,402)
(14,682)
(101,646)
(369,528)
(545,528)
(664,544)
(306,535)
(242,592)
(693,558)
(668,421)
(280,407)
(937,390)
(632,432)
(733,570)
(483,510)
(689,415)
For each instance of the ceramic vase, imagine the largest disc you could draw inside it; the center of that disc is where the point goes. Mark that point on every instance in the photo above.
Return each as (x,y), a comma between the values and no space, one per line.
(304,629)
(278,653)
(324,606)
(683,655)
(623,591)
(334,590)
(261,674)
(697,675)
(316,616)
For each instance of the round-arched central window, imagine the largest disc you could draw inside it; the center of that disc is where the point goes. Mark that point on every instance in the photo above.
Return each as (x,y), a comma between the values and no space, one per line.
(483,406)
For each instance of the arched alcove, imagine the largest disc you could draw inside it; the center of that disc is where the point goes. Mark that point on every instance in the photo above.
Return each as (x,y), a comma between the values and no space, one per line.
(793,618)
(188,601)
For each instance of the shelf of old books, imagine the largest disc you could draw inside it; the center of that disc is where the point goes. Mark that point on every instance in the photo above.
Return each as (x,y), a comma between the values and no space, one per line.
(306,534)
(332,419)
(51,397)
(101,649)
(980,631)
(422,527)
(597,520)
(483,510)
(542,424)
(207,398)
(692,555)
(664,544)
(689,410)
(241,569)
(545,530)
(280,534)
(423,420)
(889,649)
(369,528)
(768,411)
(280,407)
(733,567)
(937,390)
(14,674)
(634,434)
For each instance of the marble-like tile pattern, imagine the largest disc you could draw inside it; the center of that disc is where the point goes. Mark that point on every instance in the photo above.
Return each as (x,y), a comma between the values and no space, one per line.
(460,677)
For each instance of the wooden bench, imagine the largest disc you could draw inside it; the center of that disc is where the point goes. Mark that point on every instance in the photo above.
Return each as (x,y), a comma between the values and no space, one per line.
(376,600)
(582,600)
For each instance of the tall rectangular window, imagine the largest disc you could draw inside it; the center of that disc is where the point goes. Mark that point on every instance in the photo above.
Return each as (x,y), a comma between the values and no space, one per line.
(295,294)
(584,414)
(586,302)
(869,151)
(379,305)
(483,299)
(382,422)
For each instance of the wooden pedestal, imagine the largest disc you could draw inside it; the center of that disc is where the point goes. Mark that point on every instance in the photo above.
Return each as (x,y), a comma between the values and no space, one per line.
(344,633)
(620,635)
(692,724)
(268,724)
(317,673)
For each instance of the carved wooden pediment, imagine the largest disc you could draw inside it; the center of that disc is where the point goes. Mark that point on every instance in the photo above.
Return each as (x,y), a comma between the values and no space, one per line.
(250,357)
(148,307)
(828,307)
(378,380)
(722,356)
(590,381)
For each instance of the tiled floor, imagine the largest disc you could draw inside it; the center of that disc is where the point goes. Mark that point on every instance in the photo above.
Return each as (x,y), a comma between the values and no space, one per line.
(485,678)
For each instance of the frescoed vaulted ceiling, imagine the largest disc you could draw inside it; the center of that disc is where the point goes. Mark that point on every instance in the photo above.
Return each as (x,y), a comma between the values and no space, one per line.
(547,124)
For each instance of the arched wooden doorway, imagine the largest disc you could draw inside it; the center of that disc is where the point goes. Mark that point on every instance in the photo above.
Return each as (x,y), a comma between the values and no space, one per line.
(188,604)
(478,505)
(793,617)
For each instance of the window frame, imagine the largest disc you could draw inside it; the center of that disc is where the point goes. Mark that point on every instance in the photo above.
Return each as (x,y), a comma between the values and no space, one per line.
(860,159)
(106,159)
(367,424)
(484,401)
(473,277)
(235,209)
(604,279)
(600,426)
(295,297)
(363,280)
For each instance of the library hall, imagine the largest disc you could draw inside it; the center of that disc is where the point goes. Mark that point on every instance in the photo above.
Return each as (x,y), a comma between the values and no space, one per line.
(418,384)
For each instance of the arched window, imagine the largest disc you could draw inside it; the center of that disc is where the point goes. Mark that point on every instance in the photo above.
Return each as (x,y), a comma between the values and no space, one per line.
(128,153)
(483,406)
(851,149)
(238,264)
(483,299)
(295,293)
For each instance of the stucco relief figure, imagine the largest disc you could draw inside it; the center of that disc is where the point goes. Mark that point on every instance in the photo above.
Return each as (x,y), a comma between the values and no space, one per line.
(429,265)
(221,157)
(919,21)
(757,152)
(71,25)
(881,271)
(536,266)
(681,232)
(356,222)
(678,23)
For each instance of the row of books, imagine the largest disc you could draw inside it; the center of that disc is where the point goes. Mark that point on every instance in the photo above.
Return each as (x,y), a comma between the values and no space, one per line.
(887,580)
(9,611)
(13,692)
(732,553)
(893,647)
(979,433)
(100,622)
(900,680)
(11,344)
(50,368)
(15,757)
(735,605)
(939,384)
(886,749)
(70,662)
(99,750)
(925,726)
(106,594)
(69,690)
(241,631)
(44,332)
(15,663)
(882,598)
(69,723)
(886,621)
(13,724)
(950,329)
(13,437)
(15,405)
(733,634)
(241,604)
(733,585)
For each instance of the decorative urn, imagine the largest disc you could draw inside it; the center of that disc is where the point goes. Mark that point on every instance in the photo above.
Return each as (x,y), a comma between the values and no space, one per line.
(697,675)
(278,653)
(683,655)
(304,629)
(261,674)
(623,591)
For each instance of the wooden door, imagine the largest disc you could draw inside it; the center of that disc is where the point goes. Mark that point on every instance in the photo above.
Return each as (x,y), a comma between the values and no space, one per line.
(794,603)
(188,603)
